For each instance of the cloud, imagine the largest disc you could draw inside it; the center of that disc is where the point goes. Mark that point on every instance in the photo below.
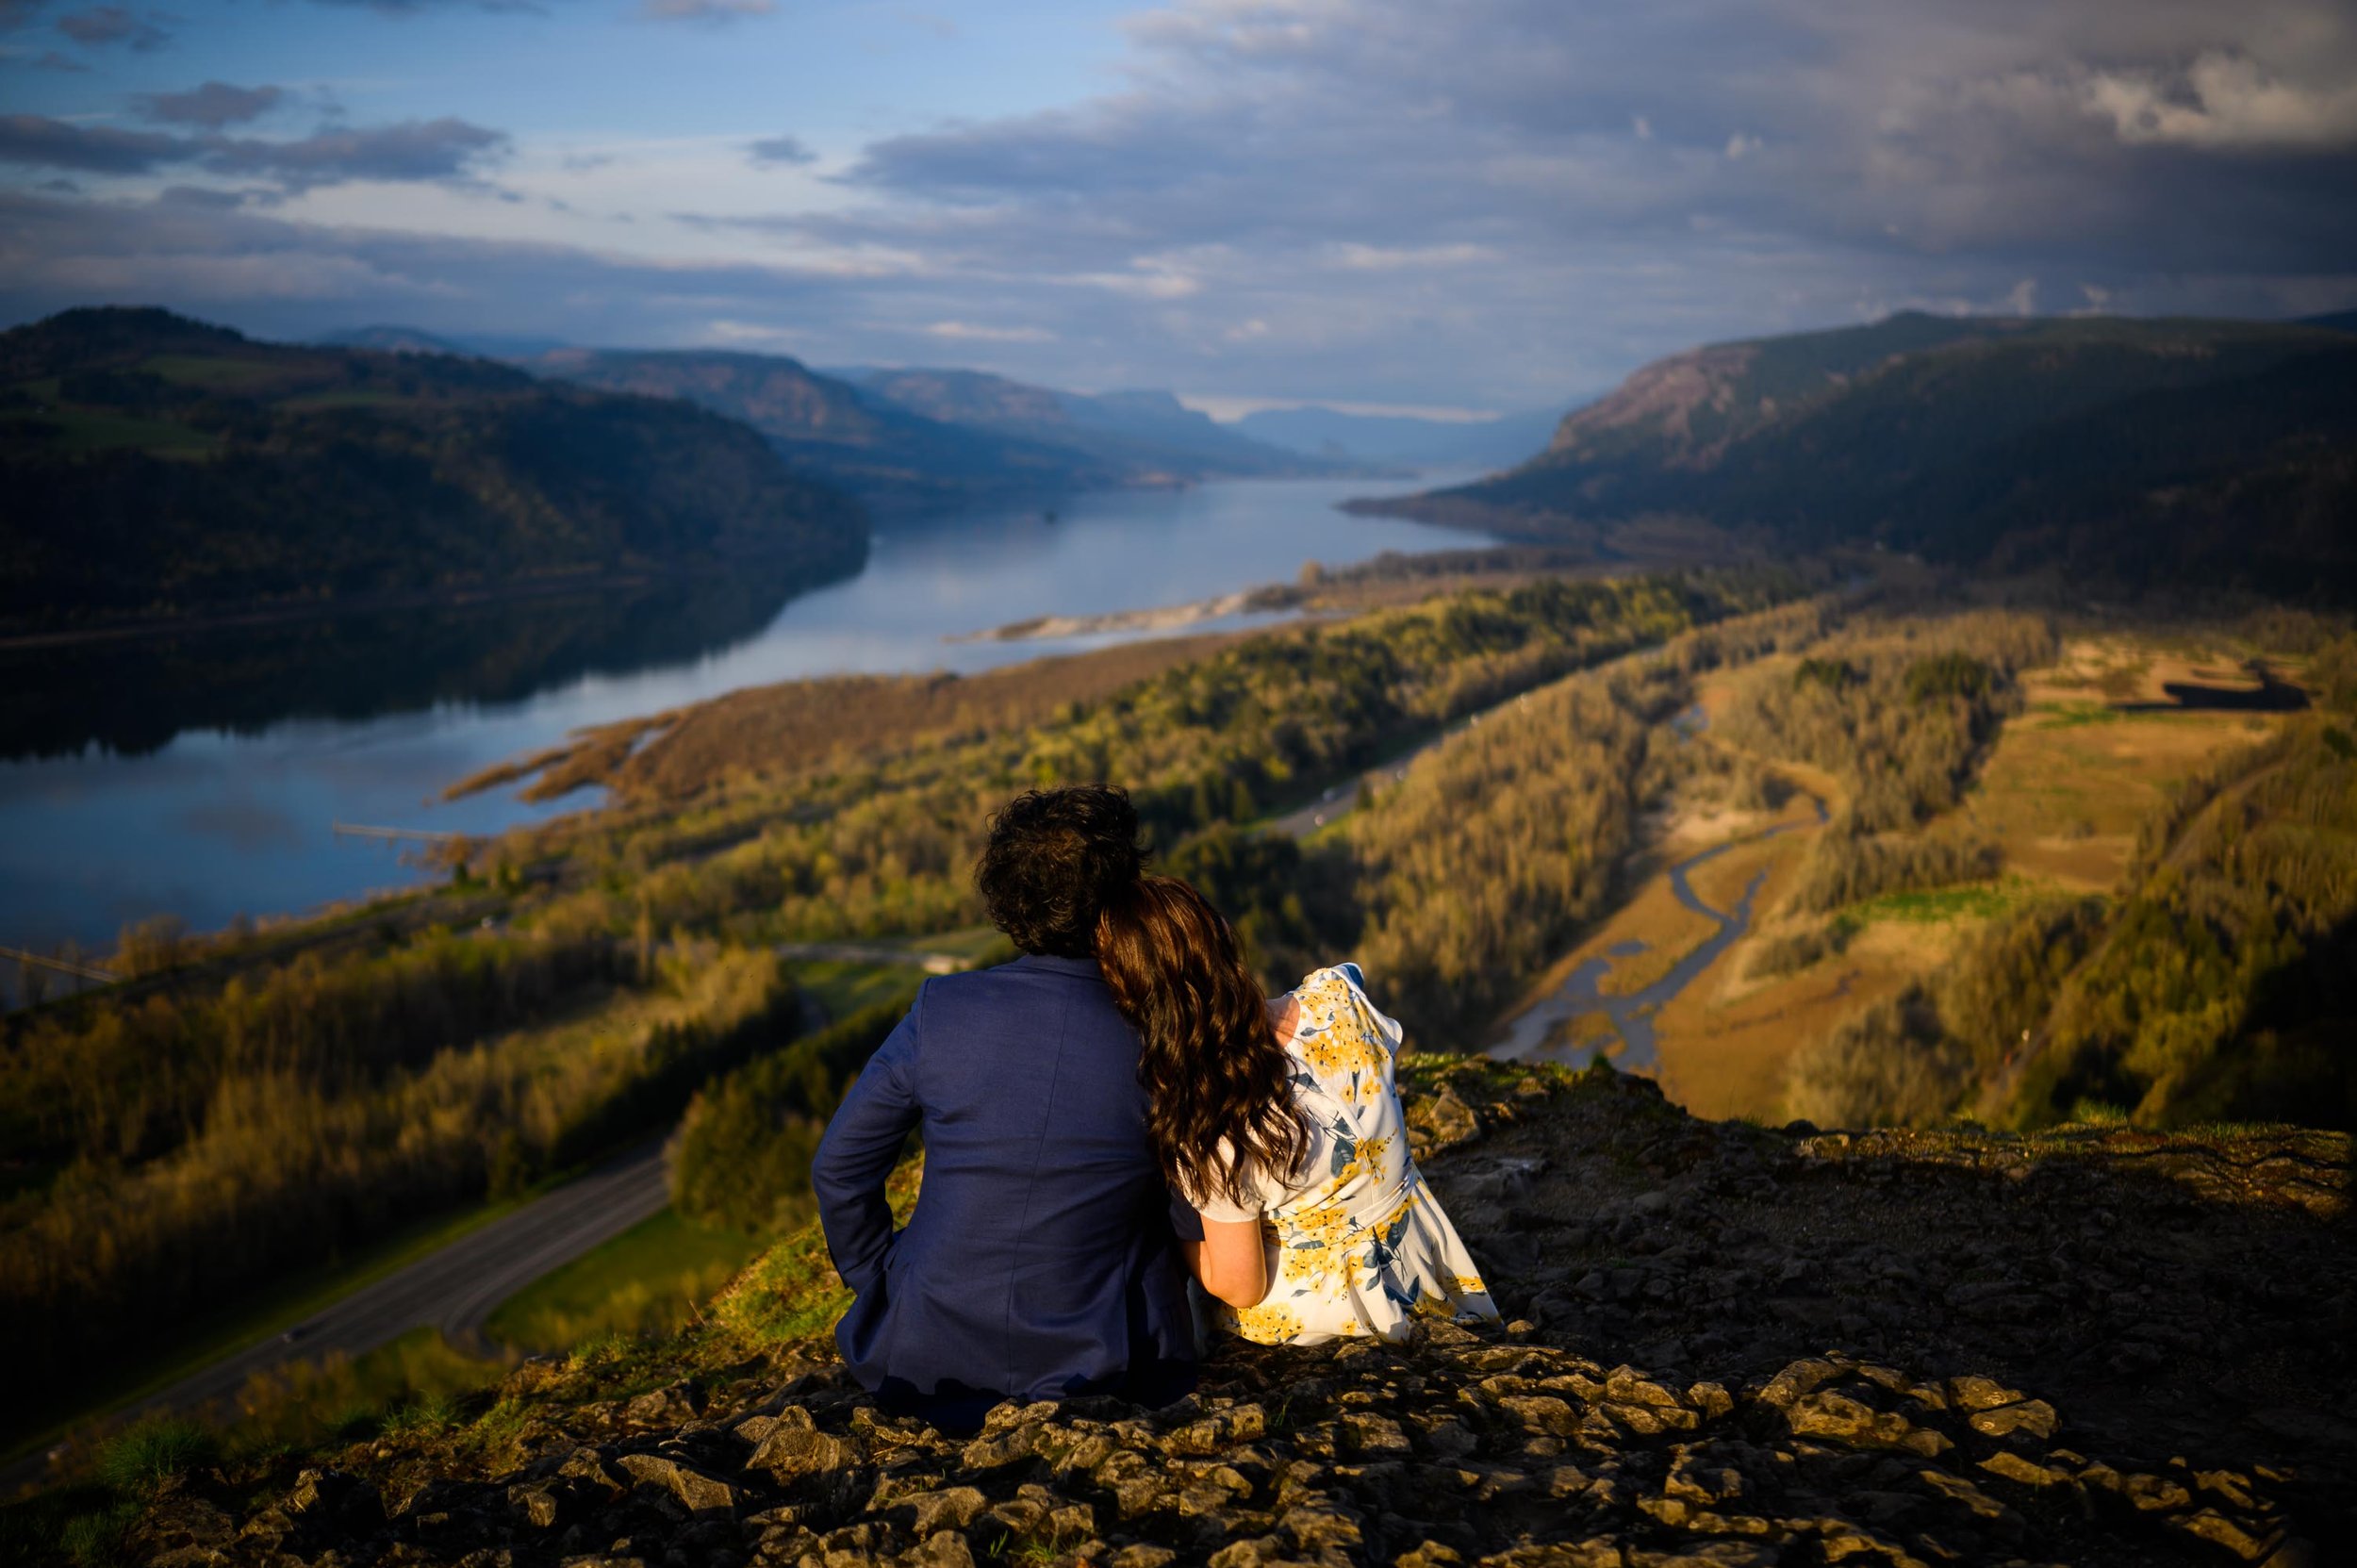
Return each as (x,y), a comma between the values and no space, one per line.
(105,26)
(774,150)
(446,150)
(18,14)
(211,106)
(41,142)
(966,332)
(709,12)
(2225,100)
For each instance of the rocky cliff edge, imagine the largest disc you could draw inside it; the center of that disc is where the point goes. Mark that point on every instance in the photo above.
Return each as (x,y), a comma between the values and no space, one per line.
(1728,1345)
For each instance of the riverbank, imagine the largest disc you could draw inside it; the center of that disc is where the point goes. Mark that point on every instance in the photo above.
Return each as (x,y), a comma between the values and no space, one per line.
(523,591)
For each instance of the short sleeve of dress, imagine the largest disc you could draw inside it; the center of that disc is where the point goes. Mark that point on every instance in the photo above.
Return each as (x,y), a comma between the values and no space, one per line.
(1384,1026)
(1220,1207)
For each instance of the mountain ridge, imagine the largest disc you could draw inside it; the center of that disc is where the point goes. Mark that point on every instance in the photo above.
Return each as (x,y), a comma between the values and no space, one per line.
(1149,432)
(162,466)
(1496,442)
(1974,441)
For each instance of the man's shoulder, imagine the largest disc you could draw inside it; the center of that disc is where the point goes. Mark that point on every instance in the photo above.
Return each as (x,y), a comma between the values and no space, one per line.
(1025,984)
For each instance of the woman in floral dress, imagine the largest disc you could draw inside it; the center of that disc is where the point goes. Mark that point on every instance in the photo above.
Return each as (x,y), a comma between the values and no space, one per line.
(1323,1228)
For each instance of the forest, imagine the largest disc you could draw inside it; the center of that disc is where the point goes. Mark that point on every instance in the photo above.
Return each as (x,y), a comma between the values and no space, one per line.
(160,466)
(192,1147)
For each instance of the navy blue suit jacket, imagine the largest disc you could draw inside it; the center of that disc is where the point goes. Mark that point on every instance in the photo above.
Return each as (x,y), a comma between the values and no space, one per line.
(1042,1259)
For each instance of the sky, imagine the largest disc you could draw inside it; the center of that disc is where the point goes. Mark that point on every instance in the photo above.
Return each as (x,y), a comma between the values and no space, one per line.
(1481,205)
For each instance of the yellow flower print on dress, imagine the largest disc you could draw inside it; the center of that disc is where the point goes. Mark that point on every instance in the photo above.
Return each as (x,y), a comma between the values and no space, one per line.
(1270,1323)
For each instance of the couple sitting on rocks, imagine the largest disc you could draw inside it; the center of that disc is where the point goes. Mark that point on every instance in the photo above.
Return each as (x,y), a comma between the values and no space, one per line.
(1121,1109)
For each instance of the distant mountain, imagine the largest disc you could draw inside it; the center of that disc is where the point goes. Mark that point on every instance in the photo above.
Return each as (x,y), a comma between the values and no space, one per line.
(2339,321)
(1150,435)
(409,339)
(864,443)
(1390,438)
(389,340)
(2123,452)
(155,464)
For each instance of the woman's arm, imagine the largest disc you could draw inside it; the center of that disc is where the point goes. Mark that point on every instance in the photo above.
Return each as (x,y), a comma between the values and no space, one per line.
(1229,1260)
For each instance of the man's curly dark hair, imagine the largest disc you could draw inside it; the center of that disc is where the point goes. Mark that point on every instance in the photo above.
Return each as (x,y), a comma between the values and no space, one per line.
(1054,856)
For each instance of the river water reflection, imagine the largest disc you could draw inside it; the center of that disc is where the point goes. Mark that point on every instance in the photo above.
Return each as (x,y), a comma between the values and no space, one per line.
(201,776)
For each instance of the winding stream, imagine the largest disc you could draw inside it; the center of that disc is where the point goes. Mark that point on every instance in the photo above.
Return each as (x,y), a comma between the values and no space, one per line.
(1631,1015)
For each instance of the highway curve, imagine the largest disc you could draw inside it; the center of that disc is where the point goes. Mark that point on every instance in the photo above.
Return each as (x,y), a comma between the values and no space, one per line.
(453,1289)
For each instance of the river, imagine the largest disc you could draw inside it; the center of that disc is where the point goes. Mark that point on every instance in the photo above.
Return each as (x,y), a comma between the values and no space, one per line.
(1535,1033)
(200,775)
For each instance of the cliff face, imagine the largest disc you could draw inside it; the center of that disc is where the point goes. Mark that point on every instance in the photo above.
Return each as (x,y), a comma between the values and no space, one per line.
(2133,452)
(1728,1345)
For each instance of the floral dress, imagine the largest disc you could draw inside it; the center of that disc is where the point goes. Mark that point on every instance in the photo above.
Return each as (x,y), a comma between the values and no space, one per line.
(1357,1242)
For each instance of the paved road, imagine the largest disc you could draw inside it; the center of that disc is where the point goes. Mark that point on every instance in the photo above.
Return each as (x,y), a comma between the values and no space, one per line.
(455,1289)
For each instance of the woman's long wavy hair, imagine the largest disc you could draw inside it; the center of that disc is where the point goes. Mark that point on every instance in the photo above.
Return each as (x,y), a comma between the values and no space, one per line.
(1212,1065)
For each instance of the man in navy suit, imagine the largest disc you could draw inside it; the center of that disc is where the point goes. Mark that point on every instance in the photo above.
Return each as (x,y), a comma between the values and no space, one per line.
(1041,1261)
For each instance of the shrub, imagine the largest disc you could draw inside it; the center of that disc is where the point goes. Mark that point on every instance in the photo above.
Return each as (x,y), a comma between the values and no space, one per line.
(1891,1066)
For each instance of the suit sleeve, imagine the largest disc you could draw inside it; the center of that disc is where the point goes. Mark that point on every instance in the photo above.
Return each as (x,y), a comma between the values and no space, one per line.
(856,1156)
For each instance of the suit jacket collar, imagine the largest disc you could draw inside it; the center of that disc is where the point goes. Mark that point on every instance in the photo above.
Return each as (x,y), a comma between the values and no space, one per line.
(1054,965)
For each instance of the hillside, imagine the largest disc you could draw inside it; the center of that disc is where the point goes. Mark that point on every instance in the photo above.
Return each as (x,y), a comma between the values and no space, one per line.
(2127,452)
(887,454)
(160,467)
(1150,435)
(1493,443)
(1727,1345)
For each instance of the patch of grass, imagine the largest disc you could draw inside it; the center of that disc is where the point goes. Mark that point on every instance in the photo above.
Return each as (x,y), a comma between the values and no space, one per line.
(95,1540)
(153,1451)
(416,1382)
(651,1278)
(196,370)
(80,1524)
(1978,901)
(2071,715)
(2096,1113)
(844,989)
(97,430)
(310,402)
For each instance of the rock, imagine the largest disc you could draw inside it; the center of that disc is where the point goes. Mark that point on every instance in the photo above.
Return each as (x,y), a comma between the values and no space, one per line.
(537,1503)
(2210,1525)
(1842,1419)
(946,1549)
(1144,1556)
(331,1502)
(790,1454)
(954,1507)
(666,1407)
(1796,1379)
(2013,1468)
(2033,1416)
(696,1490)
(1975,1392)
